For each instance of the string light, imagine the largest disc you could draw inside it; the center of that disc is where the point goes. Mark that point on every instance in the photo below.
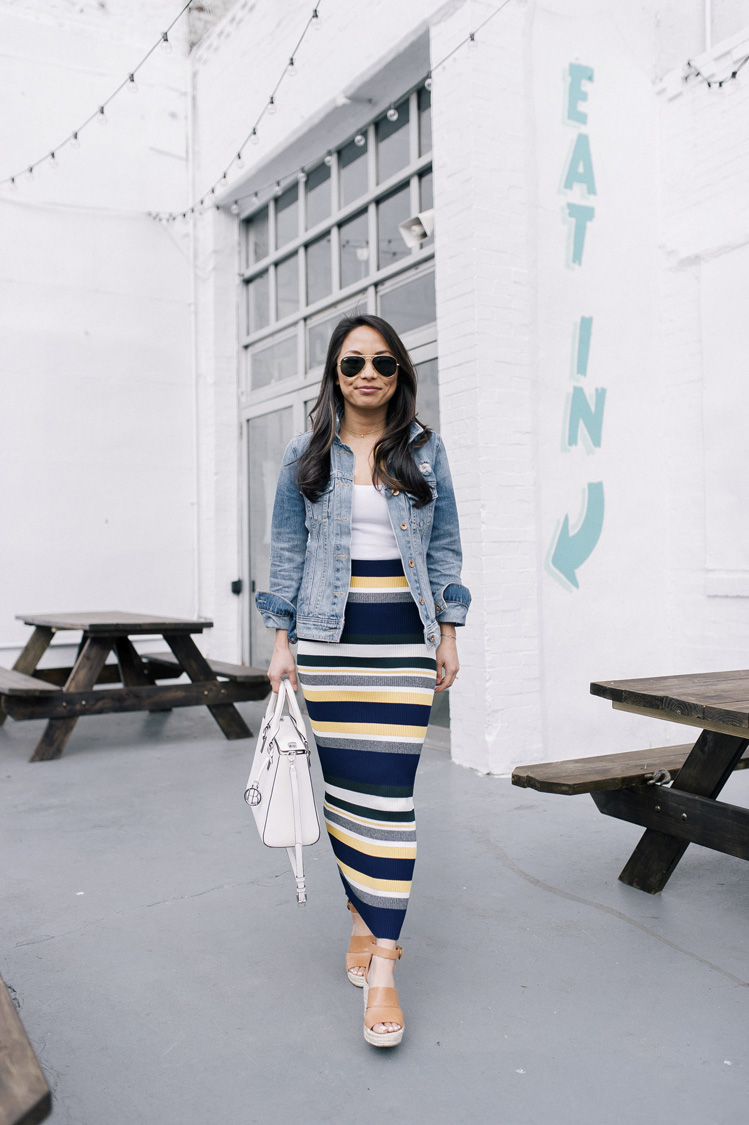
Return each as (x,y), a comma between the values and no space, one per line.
(695,72)
(360,139)
(392,114)
(132,85)
(291,69)
(99,114)
(271,105)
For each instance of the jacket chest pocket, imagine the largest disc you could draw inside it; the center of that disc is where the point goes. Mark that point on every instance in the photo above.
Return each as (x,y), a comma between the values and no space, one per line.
(322,508)
(423,516)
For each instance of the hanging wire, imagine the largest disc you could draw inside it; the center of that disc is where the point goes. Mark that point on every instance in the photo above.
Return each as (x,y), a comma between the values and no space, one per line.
(100,111)
(695,72)
(293,174)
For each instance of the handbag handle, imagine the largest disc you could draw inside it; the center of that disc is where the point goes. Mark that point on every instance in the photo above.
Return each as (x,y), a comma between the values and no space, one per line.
(274,711)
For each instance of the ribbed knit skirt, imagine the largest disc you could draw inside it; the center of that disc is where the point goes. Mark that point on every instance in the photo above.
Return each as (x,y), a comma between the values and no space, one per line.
(369,697)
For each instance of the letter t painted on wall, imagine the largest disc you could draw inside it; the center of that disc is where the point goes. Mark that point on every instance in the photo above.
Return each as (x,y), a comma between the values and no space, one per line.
(581,215)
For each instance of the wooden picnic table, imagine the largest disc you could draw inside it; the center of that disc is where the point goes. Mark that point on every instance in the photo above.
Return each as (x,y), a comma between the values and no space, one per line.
(671,791)
(687,811)
(62,695)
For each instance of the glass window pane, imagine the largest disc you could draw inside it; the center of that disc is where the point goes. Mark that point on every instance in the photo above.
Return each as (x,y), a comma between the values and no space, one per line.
(392,143)
(287,216)
(258,243)
(391,210)
(427,202)
(319,270)
(352,165)
(258,303)
(427,394)
(411,305)
(273,362)
(317,190)
(354,250)
(318,336)
(287,286)
(425,121)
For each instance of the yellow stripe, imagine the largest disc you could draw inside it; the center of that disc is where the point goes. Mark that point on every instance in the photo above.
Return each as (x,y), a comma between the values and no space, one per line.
(401,851)
(323,695)
(387,729)
(400,582)
(375,884)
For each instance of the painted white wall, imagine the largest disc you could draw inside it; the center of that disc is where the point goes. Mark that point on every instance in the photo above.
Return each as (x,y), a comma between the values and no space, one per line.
(97,420)
(668,192)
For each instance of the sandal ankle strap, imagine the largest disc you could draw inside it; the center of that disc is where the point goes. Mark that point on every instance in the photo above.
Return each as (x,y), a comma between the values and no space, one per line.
(385,951)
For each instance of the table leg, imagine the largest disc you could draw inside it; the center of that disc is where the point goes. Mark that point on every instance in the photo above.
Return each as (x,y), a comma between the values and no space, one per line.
(84,675)
(708,767)
(132,670)
(29,657)
(199,670)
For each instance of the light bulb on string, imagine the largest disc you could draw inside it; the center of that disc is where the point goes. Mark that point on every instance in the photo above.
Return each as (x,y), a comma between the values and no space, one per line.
(328,159)
(255,197)
(53,161)
(428,82)
(271,105)
(165,44)
(277,189)
(360,140)
(316,21)
(132,85)
(239,161)
(12,184)
(101,116)
(291,68)
(471,39)
(234,208)
(254,138)
(74,142)
(392,114)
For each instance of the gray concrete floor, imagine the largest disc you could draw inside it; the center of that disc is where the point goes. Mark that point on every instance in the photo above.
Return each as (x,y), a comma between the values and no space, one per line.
(164,972)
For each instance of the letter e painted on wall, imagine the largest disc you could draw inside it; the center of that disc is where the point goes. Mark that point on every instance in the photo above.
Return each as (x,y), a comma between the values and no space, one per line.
(575,93)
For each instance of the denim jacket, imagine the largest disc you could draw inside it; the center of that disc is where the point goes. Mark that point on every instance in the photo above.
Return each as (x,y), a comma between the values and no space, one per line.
(310,563)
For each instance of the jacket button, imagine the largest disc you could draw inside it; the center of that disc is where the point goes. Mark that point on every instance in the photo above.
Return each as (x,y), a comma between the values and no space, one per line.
(438,608)
(411,562)
(404,526)
(421,601)
(396,492)
(432,638)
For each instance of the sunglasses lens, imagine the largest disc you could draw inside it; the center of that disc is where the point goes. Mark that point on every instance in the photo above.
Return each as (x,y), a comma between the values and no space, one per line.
(351,365)
(385,365)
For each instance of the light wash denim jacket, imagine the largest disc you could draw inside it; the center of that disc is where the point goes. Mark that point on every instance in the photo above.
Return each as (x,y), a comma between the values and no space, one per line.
(310,563)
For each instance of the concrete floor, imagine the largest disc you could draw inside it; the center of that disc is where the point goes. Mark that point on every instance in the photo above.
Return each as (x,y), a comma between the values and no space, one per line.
(165,974)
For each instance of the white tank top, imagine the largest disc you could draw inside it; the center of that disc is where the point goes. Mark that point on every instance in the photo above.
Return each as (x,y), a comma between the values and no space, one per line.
(371,531)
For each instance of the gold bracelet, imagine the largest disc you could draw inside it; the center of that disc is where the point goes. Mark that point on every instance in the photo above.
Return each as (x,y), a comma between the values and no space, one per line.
(448,635)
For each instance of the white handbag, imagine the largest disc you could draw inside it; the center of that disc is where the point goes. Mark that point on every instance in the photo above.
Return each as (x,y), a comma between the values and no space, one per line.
(279,788)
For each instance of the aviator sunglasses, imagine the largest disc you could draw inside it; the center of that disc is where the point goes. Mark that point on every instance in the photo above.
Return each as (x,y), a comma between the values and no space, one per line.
(384,365)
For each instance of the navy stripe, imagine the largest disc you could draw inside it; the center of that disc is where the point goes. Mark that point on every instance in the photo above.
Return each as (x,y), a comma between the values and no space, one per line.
(376,568)
(372,665)
(399,769)
(376,618)
(351,711)
(388,922)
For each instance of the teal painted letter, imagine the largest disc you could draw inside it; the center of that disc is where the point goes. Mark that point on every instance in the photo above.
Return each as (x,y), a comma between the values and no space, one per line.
(583,345)
(576,94)
(580,170)
(591,417)
(571,551)
(581,215)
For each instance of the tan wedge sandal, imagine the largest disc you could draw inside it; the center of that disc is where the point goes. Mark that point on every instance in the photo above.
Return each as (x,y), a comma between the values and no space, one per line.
(381,1004)
(358,955)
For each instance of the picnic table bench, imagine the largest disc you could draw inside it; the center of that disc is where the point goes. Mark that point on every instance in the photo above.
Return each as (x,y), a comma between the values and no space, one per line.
(62,695)
(25,1098)
(671,791)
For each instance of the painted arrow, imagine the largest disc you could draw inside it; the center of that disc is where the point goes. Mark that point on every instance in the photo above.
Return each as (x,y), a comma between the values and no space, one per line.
(571,550)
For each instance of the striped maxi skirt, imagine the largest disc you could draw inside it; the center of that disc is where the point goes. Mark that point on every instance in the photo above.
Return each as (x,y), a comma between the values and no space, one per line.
(369,697)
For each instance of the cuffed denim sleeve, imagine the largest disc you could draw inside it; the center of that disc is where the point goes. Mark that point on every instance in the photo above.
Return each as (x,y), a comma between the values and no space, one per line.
(278,605)
(444,555)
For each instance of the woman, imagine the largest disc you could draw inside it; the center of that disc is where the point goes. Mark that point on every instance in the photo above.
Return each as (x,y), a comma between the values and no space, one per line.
(365,571)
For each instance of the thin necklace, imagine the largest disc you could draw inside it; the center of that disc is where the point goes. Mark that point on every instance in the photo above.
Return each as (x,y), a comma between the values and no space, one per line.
(348,430)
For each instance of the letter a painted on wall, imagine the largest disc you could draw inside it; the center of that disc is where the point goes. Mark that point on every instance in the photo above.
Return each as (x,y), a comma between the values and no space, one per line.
(572,549)
(580,167)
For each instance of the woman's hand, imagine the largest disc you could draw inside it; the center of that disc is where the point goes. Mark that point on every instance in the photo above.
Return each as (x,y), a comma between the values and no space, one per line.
(282,662)
(447,661)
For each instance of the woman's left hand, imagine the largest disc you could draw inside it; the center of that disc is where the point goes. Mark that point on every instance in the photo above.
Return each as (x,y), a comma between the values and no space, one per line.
(447,662)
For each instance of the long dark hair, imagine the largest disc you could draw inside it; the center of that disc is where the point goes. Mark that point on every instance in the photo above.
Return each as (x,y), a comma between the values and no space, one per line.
(393,464)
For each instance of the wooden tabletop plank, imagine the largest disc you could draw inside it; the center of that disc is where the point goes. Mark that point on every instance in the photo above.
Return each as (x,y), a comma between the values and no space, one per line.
(117,622)
(716,697)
